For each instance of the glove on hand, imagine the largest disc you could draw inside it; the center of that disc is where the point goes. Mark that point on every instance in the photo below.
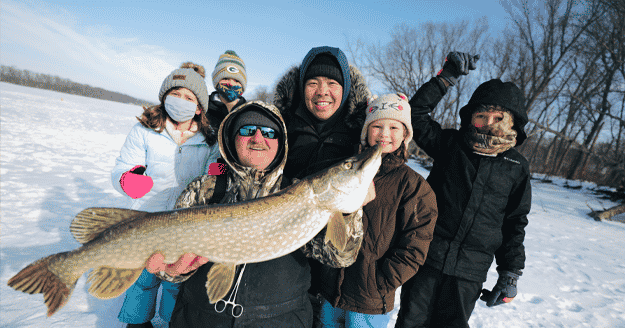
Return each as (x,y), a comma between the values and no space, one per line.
(504,290)
(456,64)
(216,169)
(134,183)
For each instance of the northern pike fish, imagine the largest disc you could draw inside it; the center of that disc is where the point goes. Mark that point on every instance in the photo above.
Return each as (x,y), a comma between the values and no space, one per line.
(118,242)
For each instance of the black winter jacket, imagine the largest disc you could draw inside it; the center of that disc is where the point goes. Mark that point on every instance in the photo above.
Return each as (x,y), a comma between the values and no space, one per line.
(217,110)
(483,201)
(311,150)
(273,293)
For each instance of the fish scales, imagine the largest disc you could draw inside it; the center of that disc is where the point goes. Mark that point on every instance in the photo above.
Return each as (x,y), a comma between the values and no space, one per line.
(250,231)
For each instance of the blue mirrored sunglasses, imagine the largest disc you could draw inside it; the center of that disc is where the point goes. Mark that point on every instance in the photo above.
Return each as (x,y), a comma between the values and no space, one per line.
(250,130)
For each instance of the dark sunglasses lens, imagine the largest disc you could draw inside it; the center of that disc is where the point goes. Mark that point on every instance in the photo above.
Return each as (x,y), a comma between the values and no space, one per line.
(247,131)
(268,133)
(250,130)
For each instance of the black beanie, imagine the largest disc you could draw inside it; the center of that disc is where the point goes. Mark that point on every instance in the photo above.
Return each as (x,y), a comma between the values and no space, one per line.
(254,117)
(324,65)
(504,94)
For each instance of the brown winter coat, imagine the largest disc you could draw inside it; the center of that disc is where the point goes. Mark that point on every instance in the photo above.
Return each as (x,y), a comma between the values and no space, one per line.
(398,225)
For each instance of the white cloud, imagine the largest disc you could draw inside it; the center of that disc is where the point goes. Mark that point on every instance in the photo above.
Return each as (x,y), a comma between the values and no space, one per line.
(53,43)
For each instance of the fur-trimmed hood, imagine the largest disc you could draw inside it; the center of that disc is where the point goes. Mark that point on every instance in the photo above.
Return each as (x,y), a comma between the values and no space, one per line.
(287,96)
(247,182)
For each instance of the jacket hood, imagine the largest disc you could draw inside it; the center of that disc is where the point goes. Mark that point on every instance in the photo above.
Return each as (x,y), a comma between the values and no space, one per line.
(250,182)
(341,59)
(288,95)
(505,94)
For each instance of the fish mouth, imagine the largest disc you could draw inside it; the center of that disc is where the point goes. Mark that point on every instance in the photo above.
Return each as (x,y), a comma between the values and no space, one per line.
(372,154)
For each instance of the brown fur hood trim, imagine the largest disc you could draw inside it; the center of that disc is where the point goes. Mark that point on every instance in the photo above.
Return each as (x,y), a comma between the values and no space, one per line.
(286,96)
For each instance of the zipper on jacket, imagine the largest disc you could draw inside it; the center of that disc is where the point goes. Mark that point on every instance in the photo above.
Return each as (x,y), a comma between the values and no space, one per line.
(179,150)
(383,305)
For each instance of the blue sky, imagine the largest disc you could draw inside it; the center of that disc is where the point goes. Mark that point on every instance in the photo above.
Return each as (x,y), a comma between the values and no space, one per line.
(131,46)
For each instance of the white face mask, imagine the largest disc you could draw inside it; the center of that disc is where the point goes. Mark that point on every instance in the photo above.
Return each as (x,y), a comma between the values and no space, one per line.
(179,109)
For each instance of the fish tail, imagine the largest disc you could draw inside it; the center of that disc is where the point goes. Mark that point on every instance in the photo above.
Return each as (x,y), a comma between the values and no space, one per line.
(37,278)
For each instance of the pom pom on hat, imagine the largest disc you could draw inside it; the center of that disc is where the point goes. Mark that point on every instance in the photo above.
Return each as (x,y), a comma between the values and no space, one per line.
(230,65)
(190,76)
(391,106)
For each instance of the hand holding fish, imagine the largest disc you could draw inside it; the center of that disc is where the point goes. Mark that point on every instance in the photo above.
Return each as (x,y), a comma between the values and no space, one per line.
(117,243)
(186,263)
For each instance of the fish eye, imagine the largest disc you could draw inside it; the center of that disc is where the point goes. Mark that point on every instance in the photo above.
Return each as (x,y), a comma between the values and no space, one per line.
(347,165)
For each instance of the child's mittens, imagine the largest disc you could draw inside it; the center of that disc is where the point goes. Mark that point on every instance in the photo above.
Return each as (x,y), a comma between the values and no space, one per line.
(134,183)
(504,290)
(457,64)
(216,169)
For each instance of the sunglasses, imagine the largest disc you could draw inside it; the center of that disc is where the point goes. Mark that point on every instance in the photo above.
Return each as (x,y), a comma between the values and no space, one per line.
(250,130)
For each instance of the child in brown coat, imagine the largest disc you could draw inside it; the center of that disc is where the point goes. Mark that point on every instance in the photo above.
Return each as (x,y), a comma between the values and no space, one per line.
(398,226)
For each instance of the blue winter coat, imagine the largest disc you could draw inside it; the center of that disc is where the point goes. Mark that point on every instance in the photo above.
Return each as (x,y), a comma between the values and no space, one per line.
(171,167)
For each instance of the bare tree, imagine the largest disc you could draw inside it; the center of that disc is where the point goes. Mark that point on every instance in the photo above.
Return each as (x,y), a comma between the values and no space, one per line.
(261,93)
(415,54)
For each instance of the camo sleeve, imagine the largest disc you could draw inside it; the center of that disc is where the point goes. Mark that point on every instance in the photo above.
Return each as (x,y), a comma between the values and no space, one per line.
(198,192)
(327,254)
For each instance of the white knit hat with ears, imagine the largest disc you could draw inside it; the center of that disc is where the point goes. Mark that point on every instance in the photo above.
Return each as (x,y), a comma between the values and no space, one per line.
(394,106)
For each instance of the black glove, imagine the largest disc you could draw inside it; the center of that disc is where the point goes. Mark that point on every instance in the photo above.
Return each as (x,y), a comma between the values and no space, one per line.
(504,290)
(456,64)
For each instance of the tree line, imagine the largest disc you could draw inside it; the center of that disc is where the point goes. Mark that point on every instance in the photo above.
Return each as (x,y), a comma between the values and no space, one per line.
(55,83)
(566,55)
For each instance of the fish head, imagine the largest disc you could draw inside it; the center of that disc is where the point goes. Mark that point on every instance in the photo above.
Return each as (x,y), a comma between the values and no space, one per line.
(343,186)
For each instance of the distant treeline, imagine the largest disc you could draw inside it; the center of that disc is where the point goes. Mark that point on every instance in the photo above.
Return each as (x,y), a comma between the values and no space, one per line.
(55,83)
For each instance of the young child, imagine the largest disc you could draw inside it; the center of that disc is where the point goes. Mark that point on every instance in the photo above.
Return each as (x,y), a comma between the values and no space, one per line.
(483,191)
(398,226)
(230,81)
(172,144)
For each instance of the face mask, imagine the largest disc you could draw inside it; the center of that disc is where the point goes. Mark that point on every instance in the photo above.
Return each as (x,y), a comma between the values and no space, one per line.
(229,92)
(180,110)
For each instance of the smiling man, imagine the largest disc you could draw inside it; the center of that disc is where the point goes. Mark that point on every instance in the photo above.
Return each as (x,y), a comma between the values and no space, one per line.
(323,102)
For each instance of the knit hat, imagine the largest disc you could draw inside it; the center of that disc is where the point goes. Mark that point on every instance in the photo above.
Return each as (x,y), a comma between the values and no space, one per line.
(190,76)
(230,65)
(254,117)
(324,65)
(504,94)
(393,106)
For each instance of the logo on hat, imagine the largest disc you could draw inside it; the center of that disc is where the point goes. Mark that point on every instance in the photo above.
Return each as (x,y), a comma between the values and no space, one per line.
(232,69)
(179,77)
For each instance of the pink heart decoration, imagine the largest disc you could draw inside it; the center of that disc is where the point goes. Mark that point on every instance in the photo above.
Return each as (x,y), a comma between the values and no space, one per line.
(216,169)
(135,185)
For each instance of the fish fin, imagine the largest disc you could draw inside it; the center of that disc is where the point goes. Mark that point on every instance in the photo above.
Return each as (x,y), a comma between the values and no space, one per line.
(90,222)
(219,280)
(37,278)
(107,282)
(336,231)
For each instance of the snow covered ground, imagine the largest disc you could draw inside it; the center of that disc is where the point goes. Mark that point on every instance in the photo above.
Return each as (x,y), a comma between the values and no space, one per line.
(56,154)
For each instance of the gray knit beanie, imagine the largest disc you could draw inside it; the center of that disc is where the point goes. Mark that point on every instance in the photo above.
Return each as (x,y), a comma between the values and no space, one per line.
(230,65)
(393,106)
(190,76)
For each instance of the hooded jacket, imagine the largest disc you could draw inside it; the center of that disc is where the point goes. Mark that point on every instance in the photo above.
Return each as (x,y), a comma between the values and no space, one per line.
(271,292)
(398,224)
(483,201)
(315,145)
